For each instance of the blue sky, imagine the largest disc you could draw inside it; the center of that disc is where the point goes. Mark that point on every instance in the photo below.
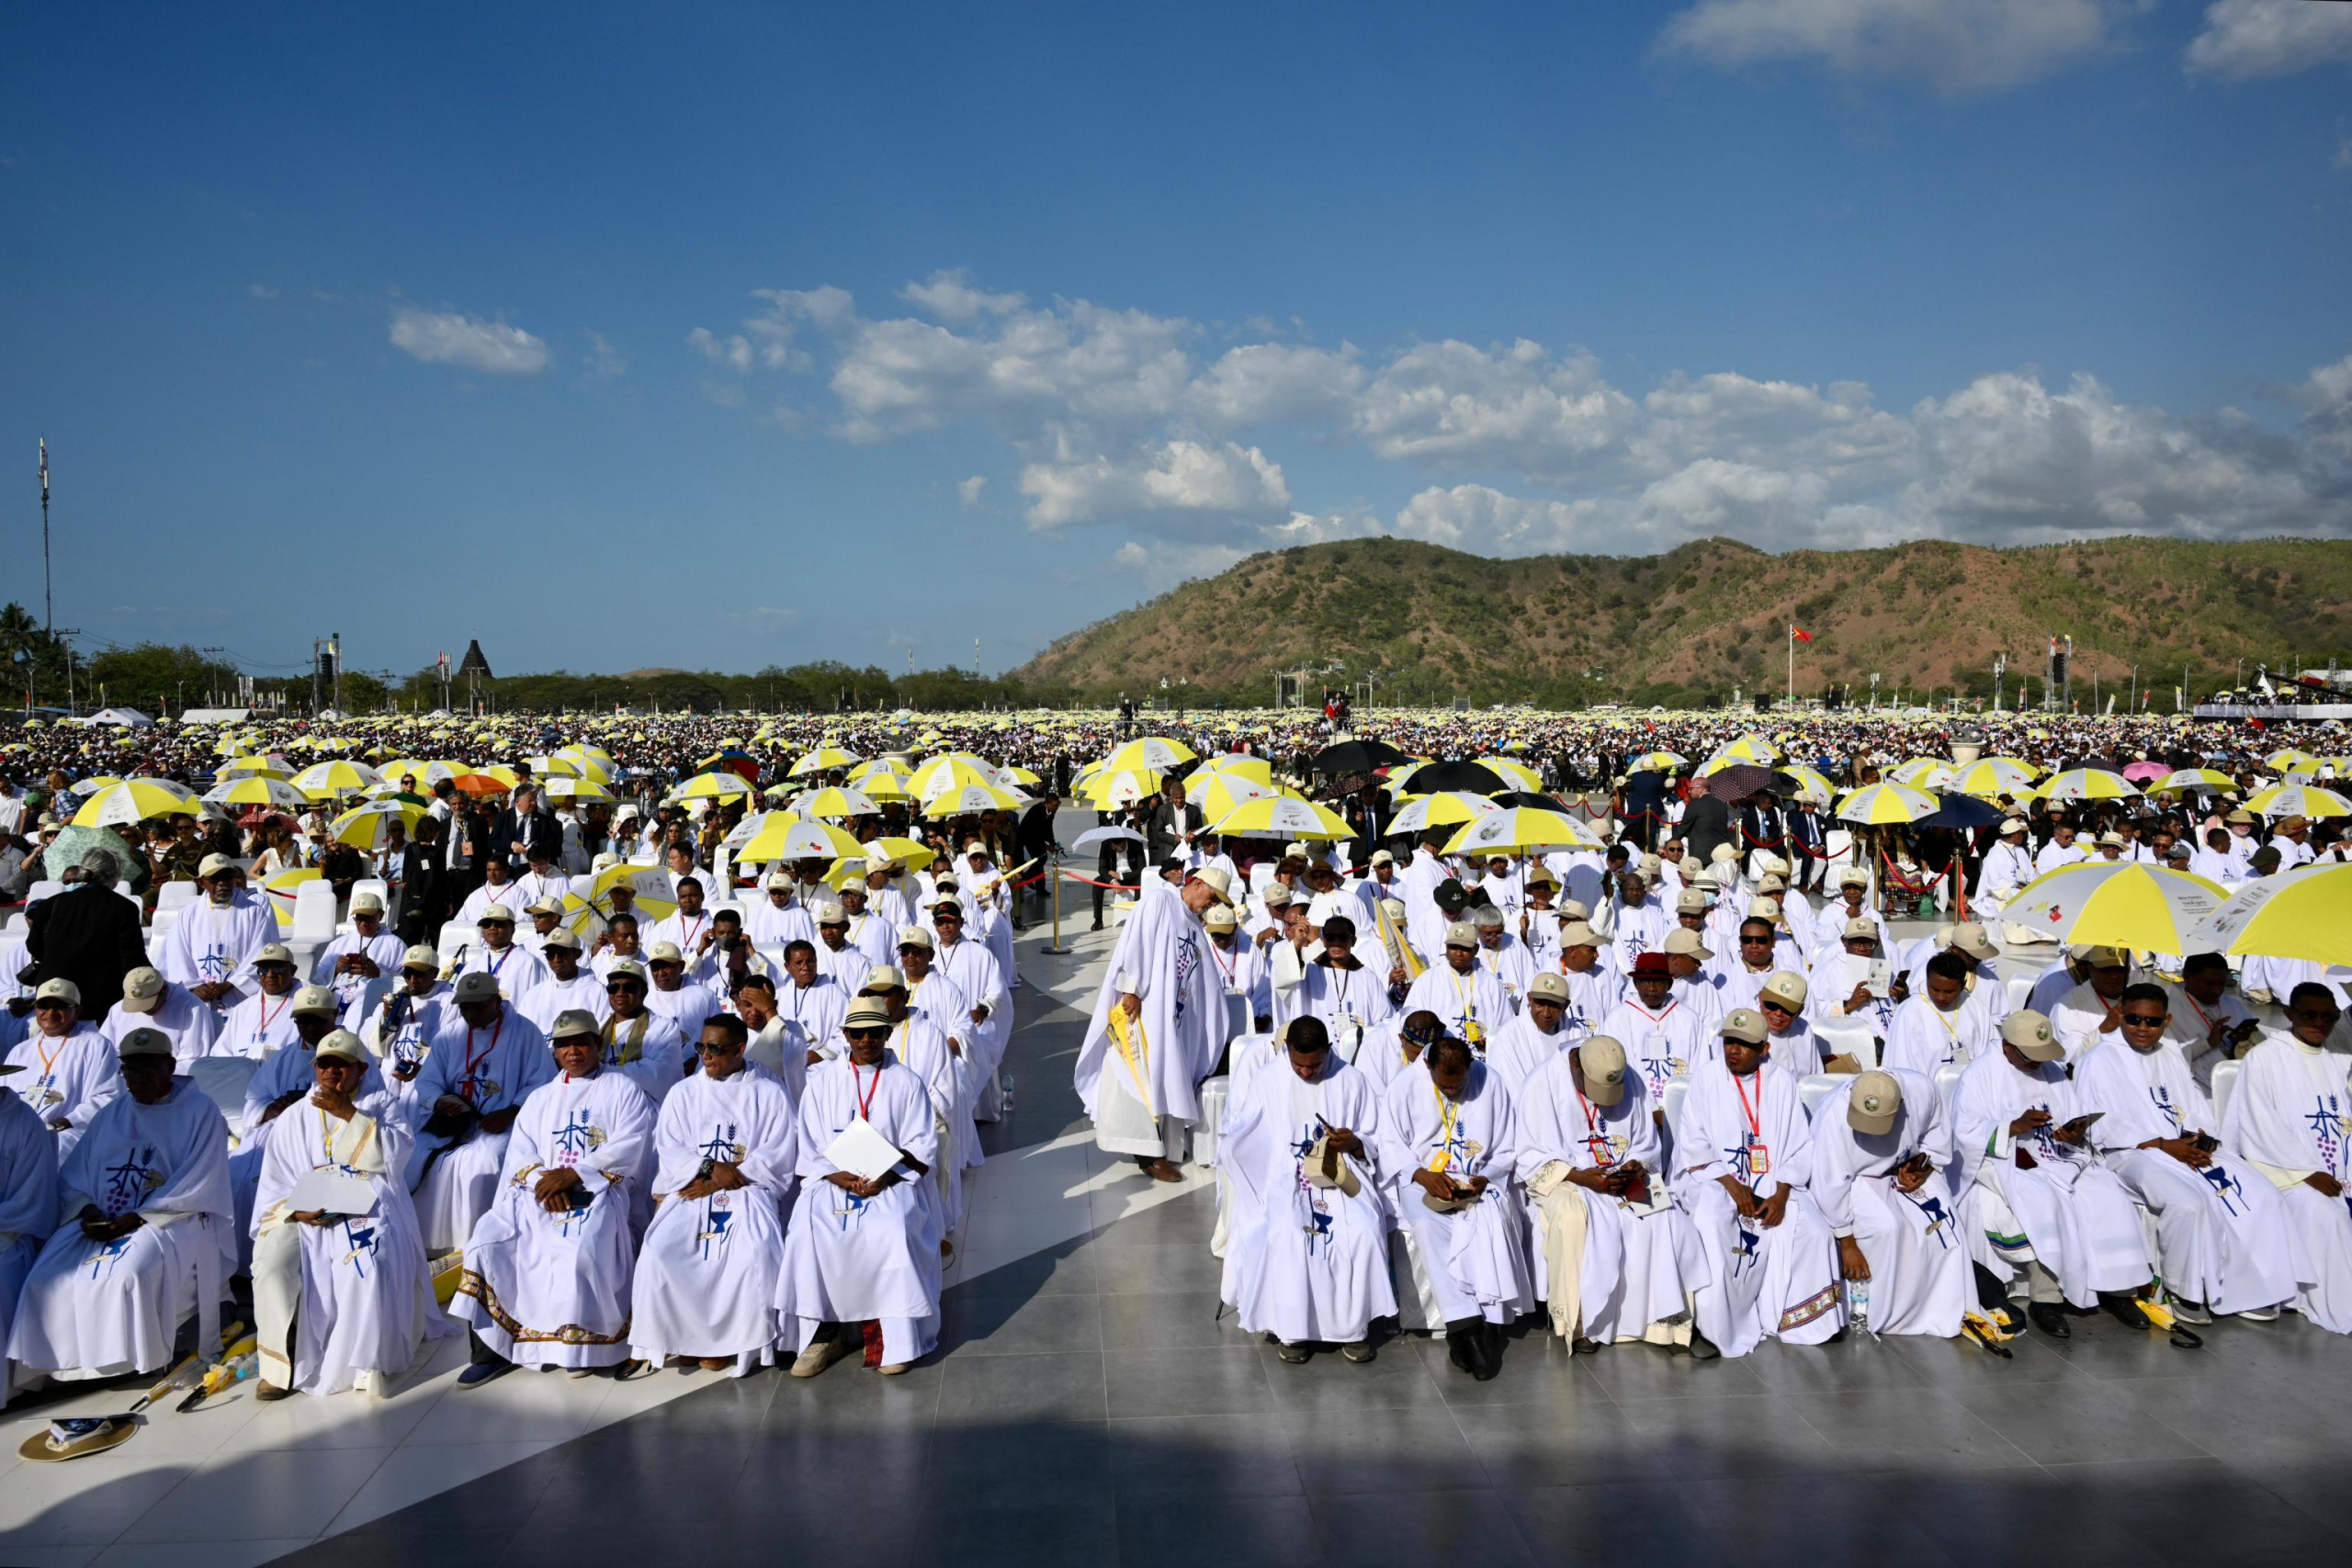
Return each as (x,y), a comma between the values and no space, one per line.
(736,335)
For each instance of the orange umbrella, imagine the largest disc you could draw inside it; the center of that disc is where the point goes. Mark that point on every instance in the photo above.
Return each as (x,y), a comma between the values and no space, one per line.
(479,784)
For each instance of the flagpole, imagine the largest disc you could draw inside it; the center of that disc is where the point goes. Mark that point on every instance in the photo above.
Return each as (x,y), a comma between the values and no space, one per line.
(48,604)
(1792,664)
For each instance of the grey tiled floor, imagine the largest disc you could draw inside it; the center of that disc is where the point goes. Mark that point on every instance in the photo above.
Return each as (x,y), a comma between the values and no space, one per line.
(1089,1408)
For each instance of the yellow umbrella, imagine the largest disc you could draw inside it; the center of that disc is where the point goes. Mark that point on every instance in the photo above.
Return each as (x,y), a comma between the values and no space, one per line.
(257,789)
(2089,784)
(1154,752)
(1119,787)
(1439,810)
(2303,913)
(954,771)
(1520,829)
(2118,903)
(502,772)
(134,800)
(364,827)
(968,799)
(2293,756)
(1011,777)
(322,781)
(713,787)
(554,766)
(785,837)
(912,853)
(278,891)
(655,900)
(582,788)
(271,767)
(1923,772)
(835,803)
(1228,765)
(2189,780)
(1815,785)
(2300,800)
(1518,775)
(1750,748)
(823,760)
(1223,792)
(1992,775)
(1282,816)
(1883,804)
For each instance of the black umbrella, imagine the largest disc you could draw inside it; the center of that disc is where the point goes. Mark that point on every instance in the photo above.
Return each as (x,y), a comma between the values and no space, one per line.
(1960,811)
(1528,797)
(1470,777)
(1356,757)
(1739,781)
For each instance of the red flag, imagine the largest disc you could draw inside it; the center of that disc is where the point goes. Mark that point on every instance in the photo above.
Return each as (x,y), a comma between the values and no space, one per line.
(1796,636)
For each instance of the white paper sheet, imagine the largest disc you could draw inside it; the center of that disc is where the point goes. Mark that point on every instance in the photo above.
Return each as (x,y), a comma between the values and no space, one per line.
(862,1151)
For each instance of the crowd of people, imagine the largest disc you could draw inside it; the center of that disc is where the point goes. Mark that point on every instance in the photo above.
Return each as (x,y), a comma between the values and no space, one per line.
(583,1076)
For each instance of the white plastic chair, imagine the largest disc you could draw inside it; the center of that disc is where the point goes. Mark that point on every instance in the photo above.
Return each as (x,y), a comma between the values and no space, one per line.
(45,888)
(314,925)
(1814,1088)
(1237,1015)
(2225,1084)
(1213,1099)
(1848,1036)
(382,890)
(1261,876)
(174,897)
(223,1080)
(2020,988)
(17,925)
(455,934)
(1678,1089)
(1948,1083)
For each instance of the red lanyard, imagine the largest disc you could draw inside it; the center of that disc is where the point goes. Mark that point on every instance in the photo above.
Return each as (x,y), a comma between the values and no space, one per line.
(1755,1125)
(473,1061)
(261,1007)
(866,1095)
(1596,1142)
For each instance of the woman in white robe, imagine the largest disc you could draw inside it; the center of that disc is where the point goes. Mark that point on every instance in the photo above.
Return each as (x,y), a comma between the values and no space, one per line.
(1774,1266)
(365,1299)
(2291,1119)
(1453,1135)
(1887,1188)
(28,1200)
(1625,1259)
(144,1240)
(548,1269)
(1309,1263)
(2223,1241)
(859,1252)
(726,1145)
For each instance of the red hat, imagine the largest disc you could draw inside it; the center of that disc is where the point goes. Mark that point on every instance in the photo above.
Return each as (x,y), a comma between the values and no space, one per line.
(1651,963)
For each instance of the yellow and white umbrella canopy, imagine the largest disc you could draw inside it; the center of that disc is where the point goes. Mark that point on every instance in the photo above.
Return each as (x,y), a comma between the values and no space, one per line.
(278,891)
(912,853)
(953,770)
(1154,752)
(582,912)
(554,766)
(783,836)
(1222,791)
(269,767)
(1812,783)
(1880,805)
(588,762)
(2293,756)
(2183,781)
(2300,800)
(2303,913)
(257,789)
(1439,810)
(720,785)
(364,827)
(1282,816)
(2119,903)
(1750,748)
(967,799)
(1520,829)
(1231,765)
(427,774)
(135,800)
(2089,784)
(578,789)
(1931,774)
(322,781)
(1119,787)
(1518,775)
(823,760)
(835,803)
(1657,763)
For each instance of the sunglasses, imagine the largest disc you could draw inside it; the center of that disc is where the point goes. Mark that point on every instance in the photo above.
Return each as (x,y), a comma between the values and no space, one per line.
(2145,1021)
(625,986)
(1755,942)
(863,1034)
(53,1006)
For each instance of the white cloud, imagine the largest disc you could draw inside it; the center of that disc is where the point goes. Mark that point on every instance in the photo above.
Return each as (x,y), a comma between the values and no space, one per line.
(1451,404)
(1163,565)
(734,353)
(1957,46)
(261,291)
(950,296)
(450,339)
(603,362)
(2328,394)
(969,489)
(1211,482)
(1262,383)
(2246,39)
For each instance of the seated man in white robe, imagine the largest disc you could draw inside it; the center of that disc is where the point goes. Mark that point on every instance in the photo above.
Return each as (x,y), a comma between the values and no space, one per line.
(366,951)
(1972,945)
(806,996)
(209,946)
(1309,1259)
(548,1265)
(1593,987)
(2223,1242)
(2210,1023)
(1239,968)
(515,968)
(1465,994)
(568,986)
(781,918)
(144,1239)
(2290,1119)
(1742,1159)
(1452,1136)
(725,1147)
(69,1067)
(861,1257)
(773,1042)
(341,1296)
(1946,1024)
(28,1197)
(2034,1198)
(972,967)
(1348,996)
(398,1017)
(940,1061)
(481,1063)
(151,1001)
(1503,955)
(1621,1262)
(1530,1042)
(1662,1034)
(282,1079)
(683,1001)
(1882,1174)
(2092,1012)
(263,1021)
(645,1044)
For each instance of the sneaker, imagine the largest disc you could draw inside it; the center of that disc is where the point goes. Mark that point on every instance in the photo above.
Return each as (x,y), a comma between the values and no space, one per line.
(2260,1314)
(820,1354)
(2190,1311)
(895,1370)
(1358,1350)
(1291,1355)
(479,1372)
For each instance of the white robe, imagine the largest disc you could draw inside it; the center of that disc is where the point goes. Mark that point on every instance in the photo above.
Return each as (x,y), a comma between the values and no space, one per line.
(2222,1235)
(1351,1002)
(257,1026)
(1920,1281)
(706,1271)
(28,1200)
(1519,1050)
(99,1308)
(384,949)
(366,1301)
(1641,1260)
(848,1260)
(650,1049)
(1668,1044)
(191,1025)
(1309,1264)
(1922,1038)
(516,968)
(2067,1212)
(1472,1007)
(1768,1282)
(1474,1259)
(552,1290)
(490,1069)
(1161,959)
(207,944)
(2290,1118)
(65,1079)
(583,992)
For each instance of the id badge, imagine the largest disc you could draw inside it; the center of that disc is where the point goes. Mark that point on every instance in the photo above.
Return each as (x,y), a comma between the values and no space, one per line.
(1760,1159)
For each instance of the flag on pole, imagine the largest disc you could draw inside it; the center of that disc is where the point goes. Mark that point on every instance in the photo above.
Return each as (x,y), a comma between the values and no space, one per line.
(1796,636)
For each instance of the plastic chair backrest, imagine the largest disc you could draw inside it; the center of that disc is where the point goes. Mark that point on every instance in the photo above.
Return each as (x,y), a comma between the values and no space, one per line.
(45,888)
(175,896)
(313,912)
(2225,1086)
(1678,1089)
(1814,1088)
(1237,1015)
(1948,1083)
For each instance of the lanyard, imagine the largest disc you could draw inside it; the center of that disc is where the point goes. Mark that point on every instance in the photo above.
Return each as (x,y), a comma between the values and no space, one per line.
(261,1010)
(865,1096)
(503,957)
(689,933)
(1468,1000)
(473,1061)
(1596,1142)
(1449,1113)
(1753,1114)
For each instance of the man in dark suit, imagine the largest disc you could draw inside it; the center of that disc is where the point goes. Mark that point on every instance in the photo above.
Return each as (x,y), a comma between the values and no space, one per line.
(1761,828)
(1035,841)
(1706,822)
(88,934)
(523,827)
(1171,822)
(1808,847)
(1121,860)
(1368,812)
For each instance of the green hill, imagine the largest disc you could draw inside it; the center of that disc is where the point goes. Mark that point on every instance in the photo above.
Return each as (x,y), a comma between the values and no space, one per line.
(1712,615)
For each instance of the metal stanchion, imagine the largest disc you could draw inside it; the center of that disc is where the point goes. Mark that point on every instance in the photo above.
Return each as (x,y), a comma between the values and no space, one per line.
(1054,881)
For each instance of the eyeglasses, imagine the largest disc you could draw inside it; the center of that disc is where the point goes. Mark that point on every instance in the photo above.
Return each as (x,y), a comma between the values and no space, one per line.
(865,1034)
(2147,1021)
(1781,1007)
(1755,942)
(612,985)
(53,1006)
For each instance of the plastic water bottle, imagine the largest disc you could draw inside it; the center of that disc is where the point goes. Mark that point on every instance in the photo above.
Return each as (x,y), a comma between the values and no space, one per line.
(1004,1090)
(1858,1303)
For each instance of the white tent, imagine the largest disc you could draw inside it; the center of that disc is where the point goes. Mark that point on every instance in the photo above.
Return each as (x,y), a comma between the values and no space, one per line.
(129,718)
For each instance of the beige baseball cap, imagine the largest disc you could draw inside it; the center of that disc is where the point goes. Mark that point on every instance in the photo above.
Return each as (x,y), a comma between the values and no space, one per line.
(1602,1061)
(1218,918)
(573,1022)
(1682,940)
(65,991)
(421,956)
(1548,986)
(367,904)
(212,866)
(828,913)
(1691,901)
(1461,933)
(884,977)
(1576,933)
(1973,938)
(143,1041)
(1786,986)
(1860,927)
(1873,1102)
(1276,895)
(1765,909)
(2108,958)
(543,906)
(665,952)
(142,990)
(274,953)
(478,986)
(917,936)
(627,969)
(1853,876)
(2031,1032)
(316,1001)
(1746,1024)
(496,915)
(1217,880)
(563,937)
(343,1044)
